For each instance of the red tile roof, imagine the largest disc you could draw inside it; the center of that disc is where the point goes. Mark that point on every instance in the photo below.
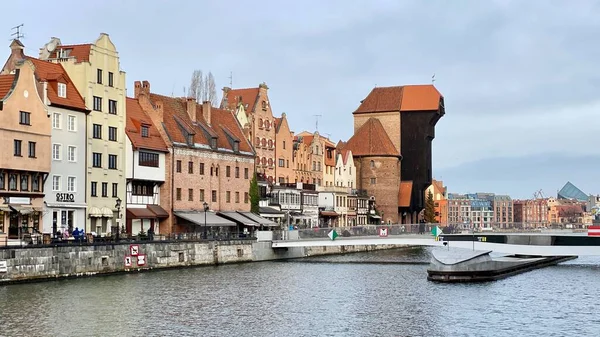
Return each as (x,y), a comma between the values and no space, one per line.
(54,73)
(136,117)
(81,52)
(245,96)
(405,193)
(223,124)
(401,98)
(371,140)
(6,83)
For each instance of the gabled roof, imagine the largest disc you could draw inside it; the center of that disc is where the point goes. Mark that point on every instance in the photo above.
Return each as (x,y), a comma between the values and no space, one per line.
(6,83)
(136,118)
(404,193)
(371,140)
(570,191)
(54,73)
(81,52)
(401,98)
(245,96)
(344,155)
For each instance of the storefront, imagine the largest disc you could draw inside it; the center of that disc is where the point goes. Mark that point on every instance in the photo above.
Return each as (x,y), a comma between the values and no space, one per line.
(63,216)
(140,219)
(18,216)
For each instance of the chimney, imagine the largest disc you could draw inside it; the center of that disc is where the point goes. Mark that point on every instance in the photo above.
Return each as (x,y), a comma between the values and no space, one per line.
(206,113)
(191,108)
(159,109)
(16,48)
(141,88)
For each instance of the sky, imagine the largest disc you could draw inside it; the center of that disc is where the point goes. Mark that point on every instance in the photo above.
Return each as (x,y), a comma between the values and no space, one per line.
(520,78)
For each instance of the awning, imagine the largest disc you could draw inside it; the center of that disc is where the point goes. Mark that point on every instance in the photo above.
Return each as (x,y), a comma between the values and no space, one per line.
(94,212)
(159,211)
(260,220)
(237,217)
(197,218)
(328,213)
(140,213)
(4,208)
(107,212)
(375,216)
(270,211)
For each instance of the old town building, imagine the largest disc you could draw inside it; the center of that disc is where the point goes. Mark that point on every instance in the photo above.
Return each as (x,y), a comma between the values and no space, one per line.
(328,157)
(95,70)
(308,158)
(145,171)
(65,199)
(284,151)
(26,136)
(209,164)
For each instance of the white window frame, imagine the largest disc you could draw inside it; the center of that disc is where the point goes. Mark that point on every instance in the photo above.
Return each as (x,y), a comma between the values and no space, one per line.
(74,118)
(62,90)
(56,120)
(74,179)
(59,151)
(59,182)
(74,153)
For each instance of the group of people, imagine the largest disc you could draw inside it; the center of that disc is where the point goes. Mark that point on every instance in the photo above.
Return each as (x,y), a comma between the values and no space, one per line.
(77,234)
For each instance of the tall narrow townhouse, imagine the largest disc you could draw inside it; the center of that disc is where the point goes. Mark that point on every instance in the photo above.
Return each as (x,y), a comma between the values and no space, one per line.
(328,153)
(65,202)
(284,151)
(145,167)
(209,164)
(261,131)
(95,70)
(25,160)
(308,158)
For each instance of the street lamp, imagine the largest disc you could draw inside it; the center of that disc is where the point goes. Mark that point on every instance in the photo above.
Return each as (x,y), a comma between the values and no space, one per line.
(118,221)
(205,204)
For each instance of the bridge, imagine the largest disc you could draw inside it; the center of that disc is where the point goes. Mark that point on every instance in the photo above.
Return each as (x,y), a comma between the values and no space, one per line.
(551,243)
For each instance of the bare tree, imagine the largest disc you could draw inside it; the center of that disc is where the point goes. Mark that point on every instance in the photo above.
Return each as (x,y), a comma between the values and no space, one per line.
(203,88)
(212,89)
(196,88)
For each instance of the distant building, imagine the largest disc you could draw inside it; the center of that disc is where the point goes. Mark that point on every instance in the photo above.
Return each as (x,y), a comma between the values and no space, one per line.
(570,191)
(531,213)
(438,190)
(284,151)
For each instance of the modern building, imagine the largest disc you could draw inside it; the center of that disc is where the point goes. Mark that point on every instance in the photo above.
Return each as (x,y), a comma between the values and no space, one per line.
(65,200)
(570,191)
(145,171)
(25,162)
(503,211)
(95,70)
(209,164)
(284,151)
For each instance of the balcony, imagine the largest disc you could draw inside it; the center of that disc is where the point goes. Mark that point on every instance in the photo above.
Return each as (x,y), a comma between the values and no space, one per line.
(334,189)
(360,193)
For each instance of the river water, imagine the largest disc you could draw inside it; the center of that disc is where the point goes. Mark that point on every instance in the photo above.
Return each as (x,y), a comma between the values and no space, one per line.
(324,296)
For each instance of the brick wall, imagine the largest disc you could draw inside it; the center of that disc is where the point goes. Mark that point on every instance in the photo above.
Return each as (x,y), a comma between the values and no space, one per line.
(389,120)
(386,171)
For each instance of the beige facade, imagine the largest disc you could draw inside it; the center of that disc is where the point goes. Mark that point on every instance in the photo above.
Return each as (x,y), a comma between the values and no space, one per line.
(25,161)
(284,151)
(308,158)
(95,71)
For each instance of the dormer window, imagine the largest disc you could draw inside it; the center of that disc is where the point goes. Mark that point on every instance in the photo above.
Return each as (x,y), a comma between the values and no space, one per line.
(62,90)
(213,142)
(145,131)
(236,146)
(190,139)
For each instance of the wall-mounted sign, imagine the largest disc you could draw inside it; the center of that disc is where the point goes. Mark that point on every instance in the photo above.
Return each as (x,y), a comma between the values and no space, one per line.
(3,267)
(65,197)
(19,200)
(141,260)
(127,261)
(134,250)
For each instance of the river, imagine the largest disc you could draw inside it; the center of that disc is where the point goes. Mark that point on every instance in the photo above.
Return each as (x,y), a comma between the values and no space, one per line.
(324,296)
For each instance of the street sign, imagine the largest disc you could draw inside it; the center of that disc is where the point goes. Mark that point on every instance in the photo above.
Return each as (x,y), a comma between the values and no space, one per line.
(383,232)
(436,231)
(141,260)
(127,261)
(333,234)
(134,250)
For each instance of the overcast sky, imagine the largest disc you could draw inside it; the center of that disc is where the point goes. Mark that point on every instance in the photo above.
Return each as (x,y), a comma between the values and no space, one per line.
(520,78)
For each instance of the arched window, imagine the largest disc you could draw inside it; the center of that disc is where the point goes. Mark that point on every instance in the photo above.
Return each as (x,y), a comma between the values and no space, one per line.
(260,123)
(372,164)
(264,142)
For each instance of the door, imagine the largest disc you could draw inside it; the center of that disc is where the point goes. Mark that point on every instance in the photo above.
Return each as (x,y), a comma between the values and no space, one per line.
(13,228)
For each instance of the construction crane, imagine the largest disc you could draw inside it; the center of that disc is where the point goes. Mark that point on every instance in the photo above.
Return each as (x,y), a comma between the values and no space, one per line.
(538,194)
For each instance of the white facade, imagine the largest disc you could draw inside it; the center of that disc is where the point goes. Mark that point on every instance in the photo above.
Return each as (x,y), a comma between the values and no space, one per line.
(345,171)
(333,198)
(65,199)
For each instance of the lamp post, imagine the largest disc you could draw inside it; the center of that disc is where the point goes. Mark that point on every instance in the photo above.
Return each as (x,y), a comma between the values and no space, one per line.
(205,210)
(118,221)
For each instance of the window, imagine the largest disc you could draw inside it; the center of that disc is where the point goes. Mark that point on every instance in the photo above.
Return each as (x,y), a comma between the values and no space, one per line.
(112,161)
(145,188)
(99,76)
(105,189)
(237,172)
(202,168)
(2,181)
(12,181)
(35,183)
(94,189)
(31,149)
(214,196)
(71,183)
(281,162)
(97,103)
(178,193)
(17,148)
(97,159)
(217,171)
(56,119)
(284,144)
(72,123)
(56,182)
(178,166)
(245,197)
(148,159)
(373,181)
(202,195)
(372,164)
(72,153)
(145,131)
(228,197)
(56,151)
(24,182)
(190,194)
(245,173)
(25,118)
(237,197)
(112,133)
(115,190)
(190,167)
(228,171)
(111,82)
(97,131)
(112,107)
(62,90)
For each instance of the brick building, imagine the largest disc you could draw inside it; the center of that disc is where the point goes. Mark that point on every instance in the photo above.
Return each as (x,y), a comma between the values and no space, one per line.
(531,213)
(209,161)
(284,151)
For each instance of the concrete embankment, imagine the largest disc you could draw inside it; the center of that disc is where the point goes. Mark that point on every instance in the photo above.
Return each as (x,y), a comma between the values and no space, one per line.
(47,263)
